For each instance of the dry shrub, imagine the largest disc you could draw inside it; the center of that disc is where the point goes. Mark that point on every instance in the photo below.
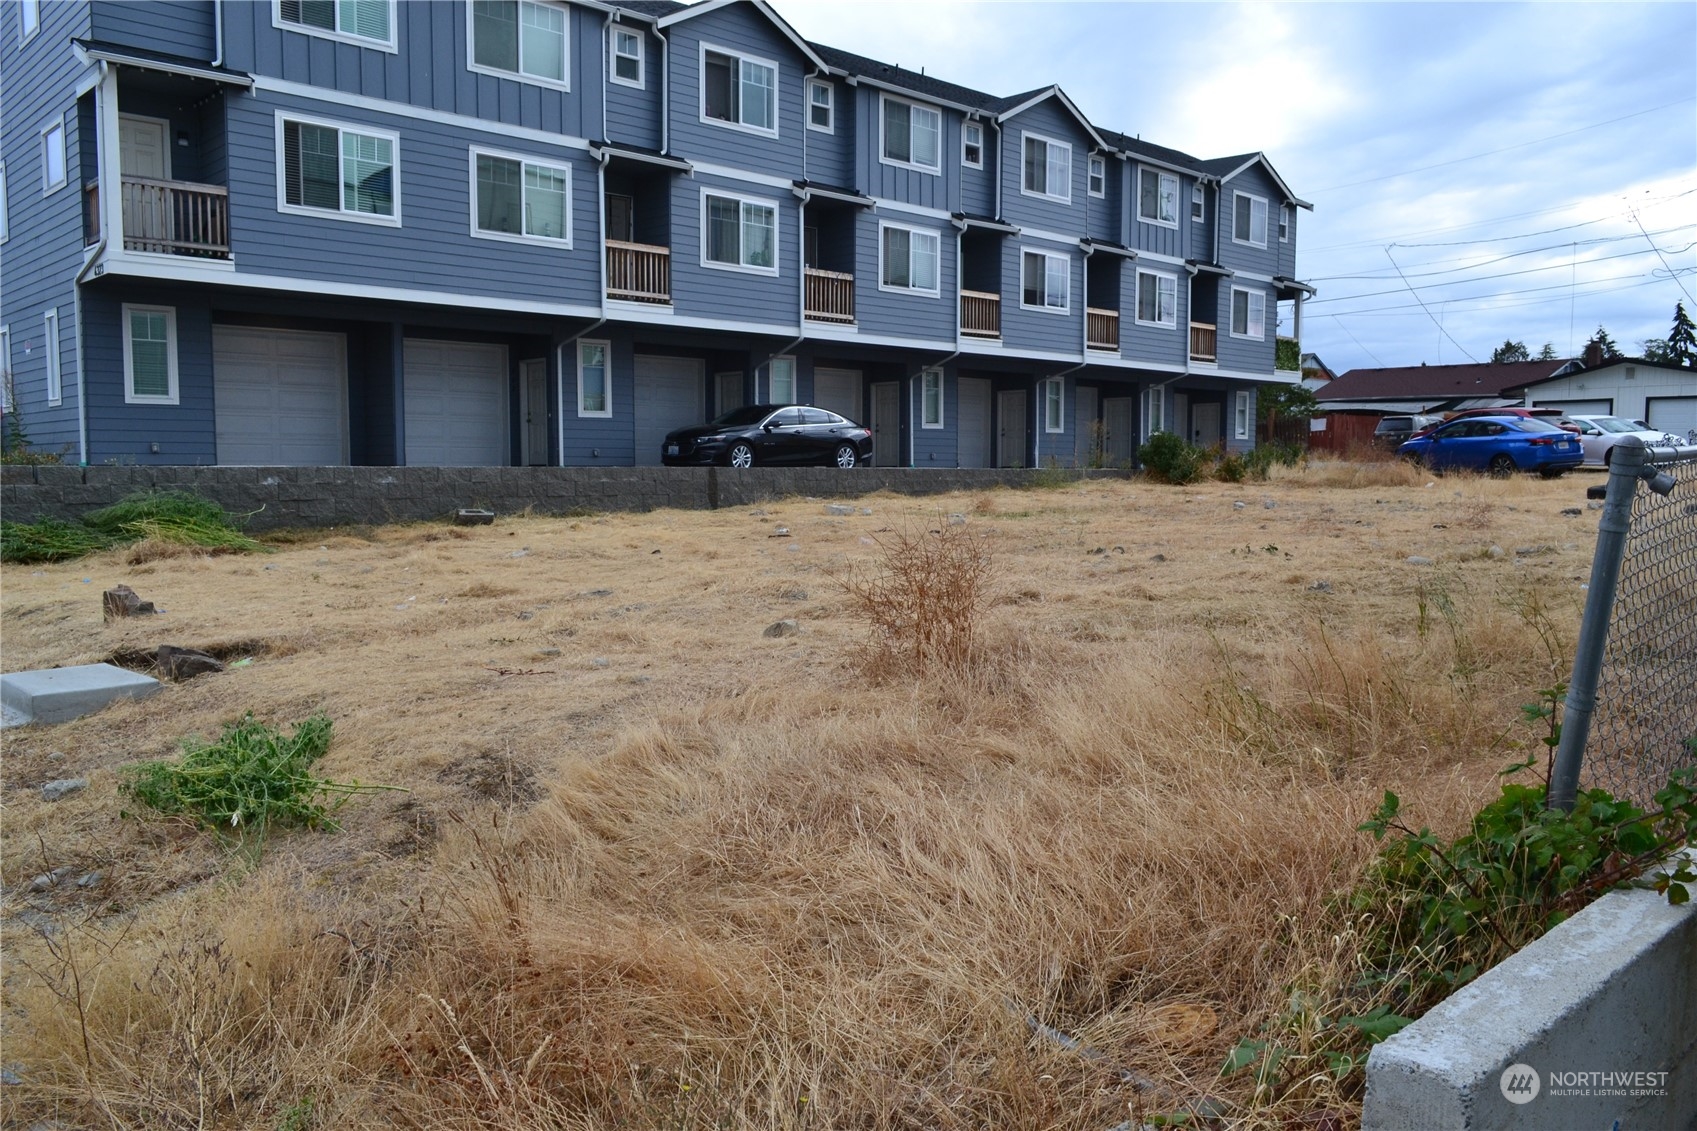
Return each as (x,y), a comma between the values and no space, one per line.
(925,601)
(1321,470)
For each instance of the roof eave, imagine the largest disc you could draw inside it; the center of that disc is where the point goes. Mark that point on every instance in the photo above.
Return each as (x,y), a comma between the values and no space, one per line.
(707,6)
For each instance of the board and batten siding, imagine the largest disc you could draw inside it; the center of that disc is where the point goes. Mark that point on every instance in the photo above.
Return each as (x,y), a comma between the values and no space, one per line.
(1178,242)
(878,178)
(124,433)
(43,250)
(184,28)
(738,28)
(433,249)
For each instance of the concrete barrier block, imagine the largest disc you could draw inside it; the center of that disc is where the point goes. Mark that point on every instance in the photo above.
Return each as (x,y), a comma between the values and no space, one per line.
(57,695)
(58,475)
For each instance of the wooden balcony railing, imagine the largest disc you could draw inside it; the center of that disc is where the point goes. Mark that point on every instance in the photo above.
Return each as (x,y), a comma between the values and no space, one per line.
(1101,328)
(980,314)
(176,218)
(639,272)
(1202,341)
(829,296)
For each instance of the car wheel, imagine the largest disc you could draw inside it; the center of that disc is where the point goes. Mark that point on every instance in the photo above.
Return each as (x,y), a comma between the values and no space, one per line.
(1501,466)
(1552,472)
(740,455)
(846,456)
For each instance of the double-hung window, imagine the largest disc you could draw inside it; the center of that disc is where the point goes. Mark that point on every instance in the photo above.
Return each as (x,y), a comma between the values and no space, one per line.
(1054,417)
(1249,219)
(521,39)
(369,23)
(1045,280)
(1048,168)
(1249,313)
(913,135)
(53,156)
(1157,299)
(1098,176)
(820,105)
(29,19)
(780,380)
(1196,202)
(627,57)
(594,393)
(520,199)
(340,170)
(972,145)
(1284,223)
(150,354)
(739,233)
(1241,415)
(931,398)
(50,347)
(1154,411)
(739,90)
(911,259)
(1157,197)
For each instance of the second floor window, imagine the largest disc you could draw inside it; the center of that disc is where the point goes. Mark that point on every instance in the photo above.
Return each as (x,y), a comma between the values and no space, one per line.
(819,99)
(627,57)
(524,199)
(739,91)
(1249,219)
(1048,168)
(361,19)
(972,145)
(740,233)
(1157,197)
(1098,177)
(910,259)
(520,38)
(1044,280)
(1249,313)
(338,170)
(1284,223)
(912,134)
(1196,202)
(53,157)
(1157,299)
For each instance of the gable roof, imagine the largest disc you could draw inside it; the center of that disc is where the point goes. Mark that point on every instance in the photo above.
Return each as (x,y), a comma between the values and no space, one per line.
(1225,168)
(1612,363)
(1439,382)
(1027,101)
(682,13)
(886,74)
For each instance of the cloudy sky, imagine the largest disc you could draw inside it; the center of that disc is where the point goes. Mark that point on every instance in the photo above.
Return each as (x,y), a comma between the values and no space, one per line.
(1519,165)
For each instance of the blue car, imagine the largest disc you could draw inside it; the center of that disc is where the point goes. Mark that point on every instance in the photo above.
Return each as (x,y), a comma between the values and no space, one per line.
(1498,445)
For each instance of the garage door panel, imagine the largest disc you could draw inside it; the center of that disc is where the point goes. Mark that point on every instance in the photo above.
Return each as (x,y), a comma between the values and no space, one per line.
(1581,408)
(671,393)
(1677,415)
(279,397)
(456,404)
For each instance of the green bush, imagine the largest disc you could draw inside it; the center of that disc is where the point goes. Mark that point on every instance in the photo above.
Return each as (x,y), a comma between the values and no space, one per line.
(1170,459)
(1263,457)
(1231,469)
(169,516)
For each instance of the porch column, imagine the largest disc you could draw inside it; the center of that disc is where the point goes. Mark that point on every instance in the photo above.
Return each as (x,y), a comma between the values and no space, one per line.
(108,163)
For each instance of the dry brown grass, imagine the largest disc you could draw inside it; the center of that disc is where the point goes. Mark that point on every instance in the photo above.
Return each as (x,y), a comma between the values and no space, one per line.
(678,875)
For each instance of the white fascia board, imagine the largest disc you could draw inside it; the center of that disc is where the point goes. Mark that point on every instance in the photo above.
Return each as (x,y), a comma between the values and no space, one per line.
(1261,159)
(1057,92)
(765,9)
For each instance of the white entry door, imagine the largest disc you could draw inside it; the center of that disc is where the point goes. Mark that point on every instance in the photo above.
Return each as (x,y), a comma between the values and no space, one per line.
(533,383)
(143,147)
(279,397)
(838,390)
(972,417)
(886,424)
(1010,428)
(1205,424)
(1119,430)
(671,393)
(456,404)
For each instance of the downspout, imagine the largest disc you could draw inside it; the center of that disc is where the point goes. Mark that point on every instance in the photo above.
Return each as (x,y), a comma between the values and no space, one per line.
(1190,315)
(560,353)
(218,32)
(77,281)
(606,53)
(665,75)
(996,124)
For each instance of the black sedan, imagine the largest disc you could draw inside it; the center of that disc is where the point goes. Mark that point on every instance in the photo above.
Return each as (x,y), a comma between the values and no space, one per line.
(770,433)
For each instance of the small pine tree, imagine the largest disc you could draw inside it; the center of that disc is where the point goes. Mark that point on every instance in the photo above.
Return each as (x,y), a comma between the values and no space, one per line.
(1601,338)
(1548,353)
(1682,339)
(1510,350)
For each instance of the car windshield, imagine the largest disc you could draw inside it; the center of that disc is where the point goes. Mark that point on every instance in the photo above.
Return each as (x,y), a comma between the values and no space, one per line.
(1613,424)
(742,417)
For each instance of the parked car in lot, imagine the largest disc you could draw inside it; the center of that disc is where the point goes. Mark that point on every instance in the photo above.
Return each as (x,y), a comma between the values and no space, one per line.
(1599,435)
(1551,415)
(770,433)
(1500,445)
(1393,430)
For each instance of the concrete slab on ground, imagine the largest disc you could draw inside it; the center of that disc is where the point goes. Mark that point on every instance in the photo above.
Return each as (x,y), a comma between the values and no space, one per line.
(57,695)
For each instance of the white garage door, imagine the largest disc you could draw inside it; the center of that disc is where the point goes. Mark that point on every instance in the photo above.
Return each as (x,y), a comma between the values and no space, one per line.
(839,391)
(1580,408)
(671,392)
(1672,414)
(456,404)
(280,397)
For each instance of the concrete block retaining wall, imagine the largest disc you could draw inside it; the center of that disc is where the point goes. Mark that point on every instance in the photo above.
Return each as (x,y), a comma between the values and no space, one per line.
(281,497)
(1592,1026)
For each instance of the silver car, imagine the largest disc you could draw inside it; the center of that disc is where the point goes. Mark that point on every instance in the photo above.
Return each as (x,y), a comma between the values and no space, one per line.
(1598,435)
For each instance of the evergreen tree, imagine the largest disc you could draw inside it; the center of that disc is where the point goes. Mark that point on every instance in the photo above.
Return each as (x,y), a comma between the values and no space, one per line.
(1509,351)
(1682,339)
(1548,353)
(1601,338)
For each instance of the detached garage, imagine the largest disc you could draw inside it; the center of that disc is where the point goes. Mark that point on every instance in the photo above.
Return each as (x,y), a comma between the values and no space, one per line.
(1628,387)
(456,404)
(1677,415)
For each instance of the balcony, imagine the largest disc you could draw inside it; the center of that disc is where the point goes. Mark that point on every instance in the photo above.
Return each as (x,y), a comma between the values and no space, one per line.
(1203,341)
(167,217)
(980,314)
(1101,328)
(829,296)
(639,272)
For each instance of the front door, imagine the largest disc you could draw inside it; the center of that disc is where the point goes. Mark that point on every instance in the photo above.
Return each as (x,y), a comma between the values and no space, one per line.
(1205,424)
(972,417)
(533,381)
(1010,428)
(143,150)
(1089,430)
(886,424)
(1119,435)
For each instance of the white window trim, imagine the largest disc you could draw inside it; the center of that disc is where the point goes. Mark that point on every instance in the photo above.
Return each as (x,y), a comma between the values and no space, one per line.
(777,232)
(519,76)
(1047,255)
(1154,406)
(50,348)
(830,104)
(28,28)
(5,215)
(741,56)
(1092,163)
(966,161)
(130,395)
(884,159)
(48,188)
(1240,415)
(794,380)
(389,45)
(1137,306)
(888,288)
(1198,204)
(1064,198)
(338,213)
(1144,171)
(1231,314)
(925,378)
(614,55)
(8,393)
(1244,239)
(523,160)
(606,374)
(1284,223)
(1061,401)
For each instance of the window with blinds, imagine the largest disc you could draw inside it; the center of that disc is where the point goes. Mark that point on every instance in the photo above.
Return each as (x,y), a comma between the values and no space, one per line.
(335,169)
(150,354)
(361,19)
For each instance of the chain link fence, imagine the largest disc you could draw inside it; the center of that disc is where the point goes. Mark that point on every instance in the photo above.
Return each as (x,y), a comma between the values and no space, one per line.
(1645,721)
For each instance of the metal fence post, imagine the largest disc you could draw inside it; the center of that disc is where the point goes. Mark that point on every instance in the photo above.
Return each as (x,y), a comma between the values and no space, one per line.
(1625,465)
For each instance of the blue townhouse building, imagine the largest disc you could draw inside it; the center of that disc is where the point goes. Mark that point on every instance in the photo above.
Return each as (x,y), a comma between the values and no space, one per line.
(547,232)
